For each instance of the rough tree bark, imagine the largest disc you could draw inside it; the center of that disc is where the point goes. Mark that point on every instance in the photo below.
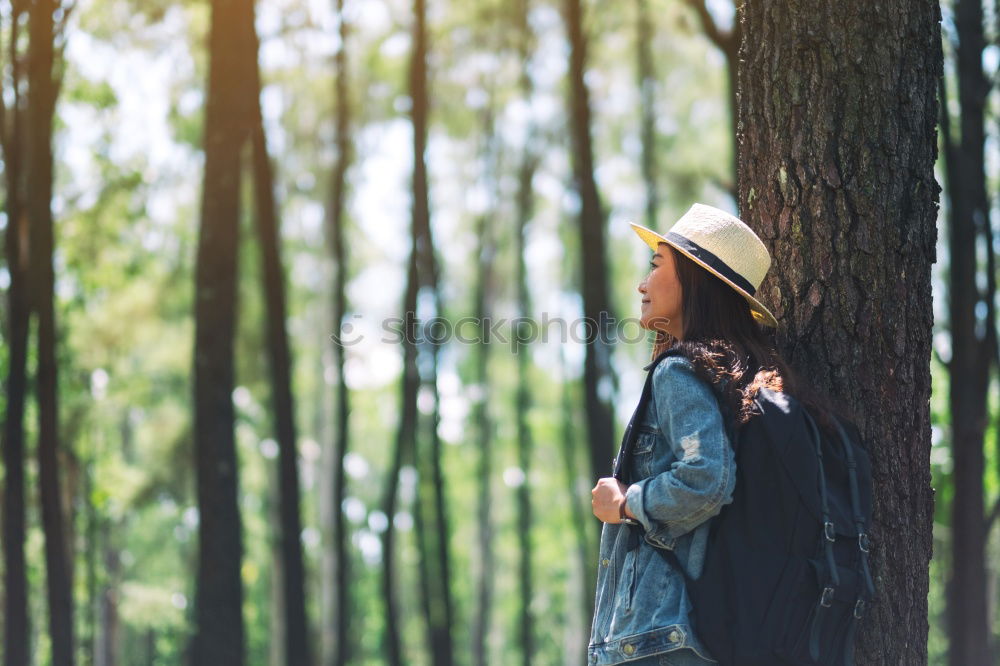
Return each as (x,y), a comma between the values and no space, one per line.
(42,94)
(837,144)
(15,652)
(292,571)
(337,643)
(599,380)
(219,633)
(972,353)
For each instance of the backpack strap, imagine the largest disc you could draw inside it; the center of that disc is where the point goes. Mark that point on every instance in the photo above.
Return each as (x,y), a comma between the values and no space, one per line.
(864,544)
(827,537)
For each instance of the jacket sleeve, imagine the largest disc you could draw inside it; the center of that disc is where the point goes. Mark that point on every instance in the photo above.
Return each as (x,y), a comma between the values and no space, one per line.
(702,477)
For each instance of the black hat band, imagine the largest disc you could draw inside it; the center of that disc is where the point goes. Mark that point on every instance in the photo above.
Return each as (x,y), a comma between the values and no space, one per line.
(709,259)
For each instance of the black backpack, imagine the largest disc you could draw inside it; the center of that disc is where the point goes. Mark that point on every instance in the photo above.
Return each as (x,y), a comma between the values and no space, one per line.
(786,577)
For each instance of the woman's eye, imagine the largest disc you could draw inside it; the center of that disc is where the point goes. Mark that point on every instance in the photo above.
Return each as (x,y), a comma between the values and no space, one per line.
(652,265)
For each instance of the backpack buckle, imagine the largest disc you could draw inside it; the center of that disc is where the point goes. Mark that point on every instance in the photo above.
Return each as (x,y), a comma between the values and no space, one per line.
(826,599)
(828,532)
(864,543)
(859,608)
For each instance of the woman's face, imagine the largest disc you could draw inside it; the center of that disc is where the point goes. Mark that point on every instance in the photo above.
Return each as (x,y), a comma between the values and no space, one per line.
(661,294)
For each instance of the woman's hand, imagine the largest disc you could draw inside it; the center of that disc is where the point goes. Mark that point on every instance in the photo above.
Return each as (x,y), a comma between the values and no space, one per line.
(609,495)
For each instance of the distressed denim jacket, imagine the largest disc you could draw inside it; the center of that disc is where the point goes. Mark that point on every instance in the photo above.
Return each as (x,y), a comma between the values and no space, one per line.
(684,471)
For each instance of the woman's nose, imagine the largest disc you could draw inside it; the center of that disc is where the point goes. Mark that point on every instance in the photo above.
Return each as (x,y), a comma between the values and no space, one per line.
(641,288)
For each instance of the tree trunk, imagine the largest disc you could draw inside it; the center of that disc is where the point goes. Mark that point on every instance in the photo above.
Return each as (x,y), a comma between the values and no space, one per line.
(296,647)
(337,643)
(431,517)
(599,381)
(727,41)
(278,620)
(969,368)
(107,648)
(482,307)
(91,549)
(42,93)
(150,647)
(219,634)
(584,547)
(525,448)
(646,74)
(403,447)
(525,518)
(431,525)
(836,152)
(18,293)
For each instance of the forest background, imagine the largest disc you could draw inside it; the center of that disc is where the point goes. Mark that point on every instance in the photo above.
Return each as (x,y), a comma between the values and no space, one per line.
(437,493)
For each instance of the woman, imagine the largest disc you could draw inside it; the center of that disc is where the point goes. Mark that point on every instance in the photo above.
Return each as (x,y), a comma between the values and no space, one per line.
(699,299)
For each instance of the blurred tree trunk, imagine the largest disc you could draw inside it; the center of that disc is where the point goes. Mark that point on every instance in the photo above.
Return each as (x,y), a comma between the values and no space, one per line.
(278,615)
(482,398)
(994,512)
(105,647)
(599,381)
(972,353)
(337,643)
(727,41)
(89,636)
(525,444)
(292,572)
(108,641)
(17,249)
(106,638)
(150,647)
(646,74)
(43,90)
(406,434)
(431,523)
(525,448)
(570,443)
(836,154)
(219,634)
(402,448)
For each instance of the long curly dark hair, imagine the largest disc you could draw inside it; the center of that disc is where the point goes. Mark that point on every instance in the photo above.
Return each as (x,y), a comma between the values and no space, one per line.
(729,349)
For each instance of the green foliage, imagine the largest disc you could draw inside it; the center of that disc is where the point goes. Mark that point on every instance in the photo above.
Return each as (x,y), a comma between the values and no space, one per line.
(98,94)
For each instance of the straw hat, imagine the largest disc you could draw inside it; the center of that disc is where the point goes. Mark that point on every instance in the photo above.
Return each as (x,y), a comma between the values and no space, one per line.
(723,245)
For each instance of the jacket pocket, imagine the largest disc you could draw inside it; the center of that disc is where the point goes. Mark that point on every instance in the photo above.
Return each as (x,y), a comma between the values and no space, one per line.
(642,455)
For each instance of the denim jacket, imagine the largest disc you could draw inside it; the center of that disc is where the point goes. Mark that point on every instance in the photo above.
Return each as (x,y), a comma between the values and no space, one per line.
(684,471)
